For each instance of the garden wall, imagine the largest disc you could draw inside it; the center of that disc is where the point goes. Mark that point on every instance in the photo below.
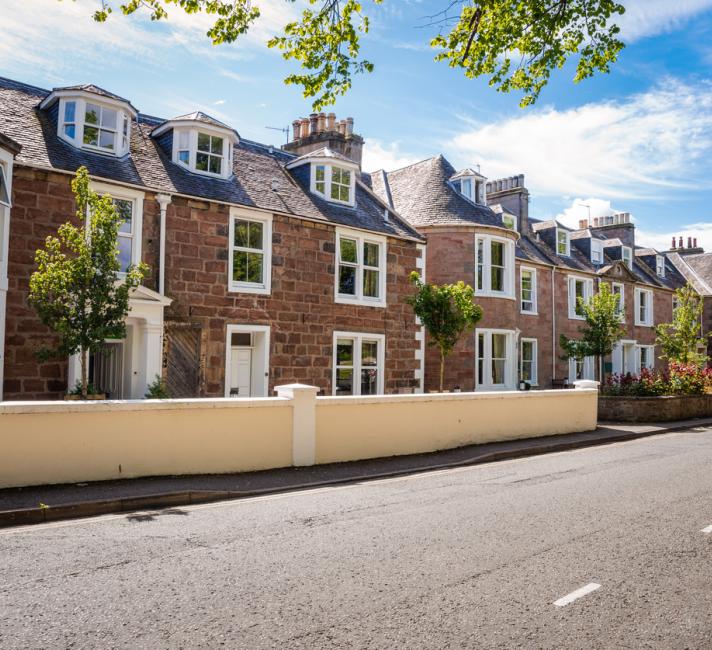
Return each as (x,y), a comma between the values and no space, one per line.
(666,408)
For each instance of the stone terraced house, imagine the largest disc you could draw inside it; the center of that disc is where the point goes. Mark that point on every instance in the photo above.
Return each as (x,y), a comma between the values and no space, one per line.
(527,276)
(267,267)
(270,266)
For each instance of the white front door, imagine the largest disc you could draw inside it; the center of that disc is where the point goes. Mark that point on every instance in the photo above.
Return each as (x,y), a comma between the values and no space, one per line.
(241,367)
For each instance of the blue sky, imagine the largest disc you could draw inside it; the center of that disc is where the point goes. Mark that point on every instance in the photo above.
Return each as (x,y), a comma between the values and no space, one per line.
(637,140)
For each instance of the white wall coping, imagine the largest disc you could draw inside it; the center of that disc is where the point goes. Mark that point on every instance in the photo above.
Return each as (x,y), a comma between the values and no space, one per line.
(93,406)
(439,397)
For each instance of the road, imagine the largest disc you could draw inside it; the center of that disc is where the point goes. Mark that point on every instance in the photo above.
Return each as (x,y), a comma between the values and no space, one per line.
(474,557)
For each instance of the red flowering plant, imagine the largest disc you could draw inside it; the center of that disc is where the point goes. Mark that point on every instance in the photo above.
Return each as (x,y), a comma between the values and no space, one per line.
(688,379)
(647,384)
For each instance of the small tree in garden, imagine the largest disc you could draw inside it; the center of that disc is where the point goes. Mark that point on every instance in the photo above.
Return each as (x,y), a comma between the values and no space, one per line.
(680,340)
(601,331)
(76,289)
(446,311)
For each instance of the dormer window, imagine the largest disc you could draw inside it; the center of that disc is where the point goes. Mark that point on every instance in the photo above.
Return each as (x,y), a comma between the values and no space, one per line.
(93,125)
(563,245)
(509,221)
(199,143)
(334,183)
(660,265)
(596,251)
(471,185)
(627,256)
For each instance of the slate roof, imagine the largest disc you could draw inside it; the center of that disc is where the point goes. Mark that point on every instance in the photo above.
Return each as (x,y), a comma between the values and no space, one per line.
(697,269)
(324,152)
(10,144)
(255,166)
(96,90)
(422,194)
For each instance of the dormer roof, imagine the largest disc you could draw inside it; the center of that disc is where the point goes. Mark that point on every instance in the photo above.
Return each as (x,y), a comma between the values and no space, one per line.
(466,173)
(193,119)
(322,153)
(90,89)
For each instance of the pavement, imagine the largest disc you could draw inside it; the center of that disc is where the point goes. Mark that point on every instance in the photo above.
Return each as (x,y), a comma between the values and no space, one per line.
(20,506)
(599,547)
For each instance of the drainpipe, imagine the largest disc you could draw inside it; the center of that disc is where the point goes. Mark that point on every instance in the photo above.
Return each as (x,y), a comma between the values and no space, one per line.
(163,202)
(553,323)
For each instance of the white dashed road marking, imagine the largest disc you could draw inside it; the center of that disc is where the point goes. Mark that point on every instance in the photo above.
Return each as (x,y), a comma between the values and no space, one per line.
(575,595)
(707,531)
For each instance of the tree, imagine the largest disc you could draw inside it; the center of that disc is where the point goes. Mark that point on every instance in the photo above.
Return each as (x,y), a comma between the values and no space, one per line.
(602,329)
(515,44)
(681,339)
(76,289)
(446,312)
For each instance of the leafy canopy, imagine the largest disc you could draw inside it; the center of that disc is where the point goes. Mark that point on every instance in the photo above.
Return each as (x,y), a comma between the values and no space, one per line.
(76,289)
(516,44)
(681,339)
(446,311)
(602,327)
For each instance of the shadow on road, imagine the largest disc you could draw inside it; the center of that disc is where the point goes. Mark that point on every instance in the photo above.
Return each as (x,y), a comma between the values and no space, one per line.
(152,516)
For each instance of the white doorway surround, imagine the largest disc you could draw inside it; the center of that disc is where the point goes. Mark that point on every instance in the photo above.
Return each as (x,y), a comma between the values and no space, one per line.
(141,352)
(247,361)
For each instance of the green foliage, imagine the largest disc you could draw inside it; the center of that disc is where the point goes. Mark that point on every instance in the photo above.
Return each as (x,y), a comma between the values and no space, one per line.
(157,389)
(515,44)
(79,390)
(76,289)
(680,340)
(602,327)
(446,311)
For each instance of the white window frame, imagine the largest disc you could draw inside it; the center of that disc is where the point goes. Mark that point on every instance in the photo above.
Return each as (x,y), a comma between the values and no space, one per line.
(535,362)
(121,142)
(597,246)
(650,351)
(627,258)
(533,311)
(192,148)
(358,339)
(568,242)
(511,365)
(264,287)
(509,264)
(588,372)
(137,198)
(660,265)
(621,302)
(328,169)
(648,322)
(361,238)
(587,294)
(5,179)
(243,329)
(466,182)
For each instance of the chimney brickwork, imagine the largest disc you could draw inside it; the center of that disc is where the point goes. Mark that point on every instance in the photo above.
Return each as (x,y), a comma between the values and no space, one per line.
(322,130)
(513,196)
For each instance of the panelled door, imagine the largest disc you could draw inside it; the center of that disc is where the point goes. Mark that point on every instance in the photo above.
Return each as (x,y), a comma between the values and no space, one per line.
(241,371)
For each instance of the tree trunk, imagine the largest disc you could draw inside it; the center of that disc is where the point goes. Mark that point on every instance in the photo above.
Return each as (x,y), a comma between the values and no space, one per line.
(442,369)
(600,369)
(85,372)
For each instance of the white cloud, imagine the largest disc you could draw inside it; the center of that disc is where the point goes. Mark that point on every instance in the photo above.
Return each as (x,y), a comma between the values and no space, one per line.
(645,18)
(220,102)
(640,147)
(378,155)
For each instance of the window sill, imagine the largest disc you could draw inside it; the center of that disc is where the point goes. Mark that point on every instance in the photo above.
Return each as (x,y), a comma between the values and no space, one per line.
(363,302)
(252,289)
(494,294)
(576,317)
(528,313)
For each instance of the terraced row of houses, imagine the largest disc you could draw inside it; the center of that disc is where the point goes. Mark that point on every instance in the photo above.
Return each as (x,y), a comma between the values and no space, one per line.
(277,265)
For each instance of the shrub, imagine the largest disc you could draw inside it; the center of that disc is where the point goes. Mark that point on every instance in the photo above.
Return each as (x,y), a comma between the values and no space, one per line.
(687,378)
(157,389)
(646,384)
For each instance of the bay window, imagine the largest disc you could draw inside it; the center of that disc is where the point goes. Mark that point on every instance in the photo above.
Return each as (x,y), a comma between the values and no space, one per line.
(96,124)
(250,269)
(580,290)
(358,363)
(360,269)
(495,359)
(528,361)
(527,290)
(494,263)
(643,307)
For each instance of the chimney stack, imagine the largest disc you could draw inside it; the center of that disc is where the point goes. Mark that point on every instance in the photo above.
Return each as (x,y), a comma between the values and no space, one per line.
(583,224)
(672,246)
(694,243)
(323,130)
(689,242)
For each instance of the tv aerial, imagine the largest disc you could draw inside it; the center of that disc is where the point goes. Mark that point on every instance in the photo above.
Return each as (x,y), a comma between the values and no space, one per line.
(284,130)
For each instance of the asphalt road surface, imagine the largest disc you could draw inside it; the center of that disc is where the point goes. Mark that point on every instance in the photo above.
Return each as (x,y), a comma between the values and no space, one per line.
(598,548)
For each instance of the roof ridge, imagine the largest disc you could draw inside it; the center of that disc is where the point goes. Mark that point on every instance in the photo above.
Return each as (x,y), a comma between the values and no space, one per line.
(22,84)
(419,162)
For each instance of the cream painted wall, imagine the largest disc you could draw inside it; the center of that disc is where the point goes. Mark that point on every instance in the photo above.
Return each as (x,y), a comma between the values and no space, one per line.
(347,429)
(70,442)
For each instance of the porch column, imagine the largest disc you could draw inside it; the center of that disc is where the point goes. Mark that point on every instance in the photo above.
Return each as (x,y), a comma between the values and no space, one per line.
(151,356)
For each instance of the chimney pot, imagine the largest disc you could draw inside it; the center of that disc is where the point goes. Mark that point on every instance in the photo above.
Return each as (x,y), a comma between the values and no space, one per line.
(331,122)
(689,242)
(321,124)
(672,246)
(583,224)
(296,129)
(694,242)
(679,243)
(304,132)
(342,127)
(349,126)
(313,123)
